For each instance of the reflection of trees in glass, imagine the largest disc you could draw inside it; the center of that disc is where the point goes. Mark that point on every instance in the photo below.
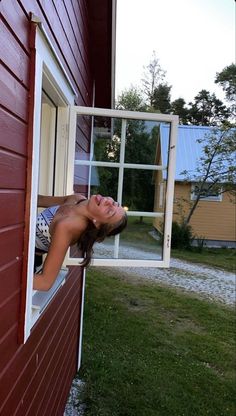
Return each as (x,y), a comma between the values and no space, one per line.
(138,191)
(138,188)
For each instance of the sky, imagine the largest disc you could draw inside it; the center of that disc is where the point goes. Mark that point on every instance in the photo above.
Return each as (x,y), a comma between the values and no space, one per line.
(193,40)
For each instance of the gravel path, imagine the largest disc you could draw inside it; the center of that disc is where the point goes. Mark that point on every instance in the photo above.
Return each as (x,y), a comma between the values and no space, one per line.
(211,283)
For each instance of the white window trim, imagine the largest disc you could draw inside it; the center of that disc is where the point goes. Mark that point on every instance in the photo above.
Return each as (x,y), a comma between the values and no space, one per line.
(212,198)
(47,62)
(161,194)
(173,120)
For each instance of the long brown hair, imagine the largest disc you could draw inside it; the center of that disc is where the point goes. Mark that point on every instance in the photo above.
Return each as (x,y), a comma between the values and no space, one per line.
(93,234)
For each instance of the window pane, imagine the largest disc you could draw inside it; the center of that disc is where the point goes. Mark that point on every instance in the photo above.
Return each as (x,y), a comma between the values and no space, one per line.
(141,190)
(104,250)
(139,241)
(142,138)
(106,139)
(104,181)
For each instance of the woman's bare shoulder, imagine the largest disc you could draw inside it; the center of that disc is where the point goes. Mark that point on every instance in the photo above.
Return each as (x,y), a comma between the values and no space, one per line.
(71,226)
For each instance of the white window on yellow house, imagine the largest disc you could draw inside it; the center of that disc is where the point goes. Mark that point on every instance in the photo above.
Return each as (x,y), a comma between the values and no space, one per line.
(207,192)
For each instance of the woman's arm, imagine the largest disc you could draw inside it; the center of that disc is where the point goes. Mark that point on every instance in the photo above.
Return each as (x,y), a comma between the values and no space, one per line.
(60,243)
(49,201)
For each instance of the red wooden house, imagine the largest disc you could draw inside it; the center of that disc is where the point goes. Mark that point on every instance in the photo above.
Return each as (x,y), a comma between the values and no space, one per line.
(54,53)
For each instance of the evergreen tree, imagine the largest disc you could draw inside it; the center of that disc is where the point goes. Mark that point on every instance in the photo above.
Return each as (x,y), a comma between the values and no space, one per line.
(207,110)
(179,108)
(227,80)
(161,99)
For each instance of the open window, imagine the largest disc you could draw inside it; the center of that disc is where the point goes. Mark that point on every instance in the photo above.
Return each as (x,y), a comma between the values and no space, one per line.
(53,96)
(121,161)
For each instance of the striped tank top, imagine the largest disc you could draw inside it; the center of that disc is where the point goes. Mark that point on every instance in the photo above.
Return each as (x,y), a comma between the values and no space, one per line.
(44,219)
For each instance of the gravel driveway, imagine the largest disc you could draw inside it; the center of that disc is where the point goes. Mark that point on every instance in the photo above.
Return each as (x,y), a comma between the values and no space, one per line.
(209,282)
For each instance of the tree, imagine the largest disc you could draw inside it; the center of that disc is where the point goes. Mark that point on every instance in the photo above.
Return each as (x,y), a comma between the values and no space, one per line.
(227,80)
(178,107)
(207,110)
(161,98)
(153,76)
(131,99)
(215,168)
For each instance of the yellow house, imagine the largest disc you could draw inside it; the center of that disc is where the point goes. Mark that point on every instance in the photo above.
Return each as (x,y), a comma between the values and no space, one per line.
(214,218)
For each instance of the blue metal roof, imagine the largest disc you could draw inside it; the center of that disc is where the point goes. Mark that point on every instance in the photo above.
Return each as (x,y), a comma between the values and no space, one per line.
(188,148)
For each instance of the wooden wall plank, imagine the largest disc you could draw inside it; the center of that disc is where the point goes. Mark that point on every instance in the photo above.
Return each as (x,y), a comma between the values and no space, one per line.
(13,56)
(9,312)
(81,11)
(11,244)
(12,170)
(82,37)
(13,95)
(13,133)
(16,18)
(10,279)
(8,350)
(78,52)
(12,207)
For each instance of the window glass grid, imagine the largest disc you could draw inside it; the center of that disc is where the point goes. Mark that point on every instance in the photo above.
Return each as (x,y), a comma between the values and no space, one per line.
(121,166)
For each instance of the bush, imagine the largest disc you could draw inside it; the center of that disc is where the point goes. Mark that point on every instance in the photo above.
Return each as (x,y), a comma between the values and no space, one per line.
(182,236)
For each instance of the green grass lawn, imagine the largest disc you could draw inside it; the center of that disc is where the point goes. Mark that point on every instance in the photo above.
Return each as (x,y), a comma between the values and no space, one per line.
(150,350)
(223,258)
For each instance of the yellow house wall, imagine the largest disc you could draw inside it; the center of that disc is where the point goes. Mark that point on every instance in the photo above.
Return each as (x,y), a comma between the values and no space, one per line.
(213,220)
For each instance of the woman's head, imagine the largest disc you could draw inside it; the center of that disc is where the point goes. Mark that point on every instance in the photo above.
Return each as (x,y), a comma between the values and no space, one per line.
(104,210)
(108,218)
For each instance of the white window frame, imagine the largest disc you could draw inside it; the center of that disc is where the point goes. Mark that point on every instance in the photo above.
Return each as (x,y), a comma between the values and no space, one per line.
(47,64)
(212,198)
(124,115)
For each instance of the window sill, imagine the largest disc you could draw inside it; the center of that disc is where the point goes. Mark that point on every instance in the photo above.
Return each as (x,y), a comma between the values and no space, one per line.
(40,300)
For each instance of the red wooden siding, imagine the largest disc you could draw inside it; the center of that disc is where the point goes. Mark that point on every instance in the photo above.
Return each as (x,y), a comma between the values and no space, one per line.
(35,378)
(13,133)
(68,53)
(33,381)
